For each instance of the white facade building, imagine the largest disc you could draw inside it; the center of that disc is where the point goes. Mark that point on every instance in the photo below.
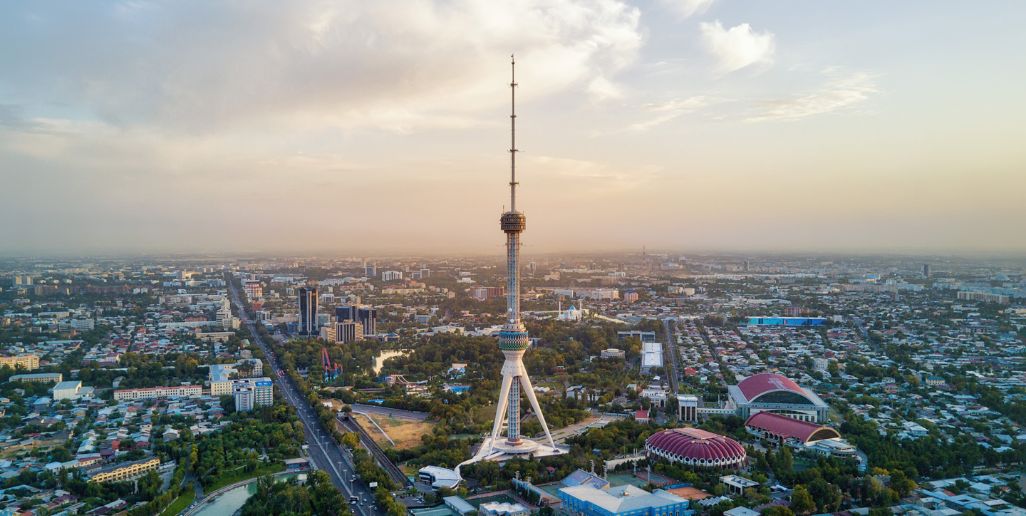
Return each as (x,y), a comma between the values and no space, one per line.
(173,391)
(68,390)
(250,393)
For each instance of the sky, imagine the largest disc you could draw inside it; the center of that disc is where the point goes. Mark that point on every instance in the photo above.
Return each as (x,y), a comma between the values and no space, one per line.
(359,127)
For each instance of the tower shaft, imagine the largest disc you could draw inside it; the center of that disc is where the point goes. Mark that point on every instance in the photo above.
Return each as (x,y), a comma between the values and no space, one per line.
(513,279)
(513,434)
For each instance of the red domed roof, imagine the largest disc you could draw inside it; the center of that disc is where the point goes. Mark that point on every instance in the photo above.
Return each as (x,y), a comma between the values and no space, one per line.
(789,428)
(757,385)
(696,444)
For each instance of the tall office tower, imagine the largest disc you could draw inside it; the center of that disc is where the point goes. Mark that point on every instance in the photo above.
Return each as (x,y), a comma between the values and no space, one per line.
(365,315)
(513,338)
(926,270)
(308,311)
(368,318)
(370,270)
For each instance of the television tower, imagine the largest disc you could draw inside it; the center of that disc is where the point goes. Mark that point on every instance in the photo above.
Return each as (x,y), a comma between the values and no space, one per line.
(513,338)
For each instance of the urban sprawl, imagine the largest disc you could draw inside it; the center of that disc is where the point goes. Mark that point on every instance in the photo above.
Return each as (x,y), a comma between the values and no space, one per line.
(669,385)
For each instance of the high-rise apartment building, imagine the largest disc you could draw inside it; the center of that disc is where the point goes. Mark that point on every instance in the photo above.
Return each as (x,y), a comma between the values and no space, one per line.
(481,293)
(244,395)
(308,311)
(253,289)
(250,393)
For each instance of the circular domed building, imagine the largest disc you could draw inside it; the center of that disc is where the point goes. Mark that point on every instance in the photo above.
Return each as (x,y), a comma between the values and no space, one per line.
(695,447)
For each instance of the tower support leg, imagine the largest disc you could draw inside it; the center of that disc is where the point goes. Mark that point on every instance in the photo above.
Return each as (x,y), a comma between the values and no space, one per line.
(500,410)
(529,391)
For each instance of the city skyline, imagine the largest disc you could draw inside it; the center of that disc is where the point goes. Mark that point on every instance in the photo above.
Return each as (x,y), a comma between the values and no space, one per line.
(691,125)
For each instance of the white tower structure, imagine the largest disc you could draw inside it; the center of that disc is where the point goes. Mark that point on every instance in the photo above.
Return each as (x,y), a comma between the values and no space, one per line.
(513,338)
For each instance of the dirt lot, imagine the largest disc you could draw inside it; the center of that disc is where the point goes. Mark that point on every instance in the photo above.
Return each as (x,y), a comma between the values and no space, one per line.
(404,432)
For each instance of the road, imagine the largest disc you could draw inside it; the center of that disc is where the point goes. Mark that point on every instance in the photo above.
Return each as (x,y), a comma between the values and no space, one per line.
(670,351)
(325,453)
(562,434)
(391,469)
(377,410)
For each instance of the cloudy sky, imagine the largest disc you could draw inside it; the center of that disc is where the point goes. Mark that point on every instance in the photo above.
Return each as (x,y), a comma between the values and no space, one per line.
(364,126)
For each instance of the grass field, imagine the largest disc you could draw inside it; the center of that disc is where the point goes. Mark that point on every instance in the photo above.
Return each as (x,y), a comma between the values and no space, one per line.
(406,433)
(179,504)
(238,475)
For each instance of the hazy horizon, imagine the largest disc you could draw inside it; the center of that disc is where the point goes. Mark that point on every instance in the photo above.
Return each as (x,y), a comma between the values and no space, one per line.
(355,128)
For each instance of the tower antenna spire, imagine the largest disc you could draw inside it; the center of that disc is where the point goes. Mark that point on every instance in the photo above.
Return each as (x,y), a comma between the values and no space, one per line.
(513,133)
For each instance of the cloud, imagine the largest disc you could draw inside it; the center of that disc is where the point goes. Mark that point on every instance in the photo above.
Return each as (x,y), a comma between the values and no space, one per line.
(11,117)
(839,93)
(737,47)
(202,66)
(666,111)
(581,178)
(602,89)
(687,8)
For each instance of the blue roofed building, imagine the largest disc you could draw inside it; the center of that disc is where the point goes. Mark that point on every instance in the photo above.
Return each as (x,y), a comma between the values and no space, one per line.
(625,500)
(584,478)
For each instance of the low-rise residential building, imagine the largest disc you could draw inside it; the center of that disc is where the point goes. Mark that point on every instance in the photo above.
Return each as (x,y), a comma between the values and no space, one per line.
(174,391)
(125,471)
(26,362)
(37,378)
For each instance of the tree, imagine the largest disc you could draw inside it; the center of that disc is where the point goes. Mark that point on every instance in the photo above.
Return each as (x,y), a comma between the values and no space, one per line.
(828,497)
(901,483)
(786,460)
(801,500)
(777,510)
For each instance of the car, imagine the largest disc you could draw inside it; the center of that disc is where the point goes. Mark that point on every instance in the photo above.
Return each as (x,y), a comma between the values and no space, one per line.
(353,500)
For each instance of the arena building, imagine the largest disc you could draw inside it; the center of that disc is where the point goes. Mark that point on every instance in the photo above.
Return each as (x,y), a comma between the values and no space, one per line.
(771,392)
(802,435)
(696,447)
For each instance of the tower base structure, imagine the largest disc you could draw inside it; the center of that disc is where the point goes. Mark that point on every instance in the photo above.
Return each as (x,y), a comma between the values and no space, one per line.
(501,451)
